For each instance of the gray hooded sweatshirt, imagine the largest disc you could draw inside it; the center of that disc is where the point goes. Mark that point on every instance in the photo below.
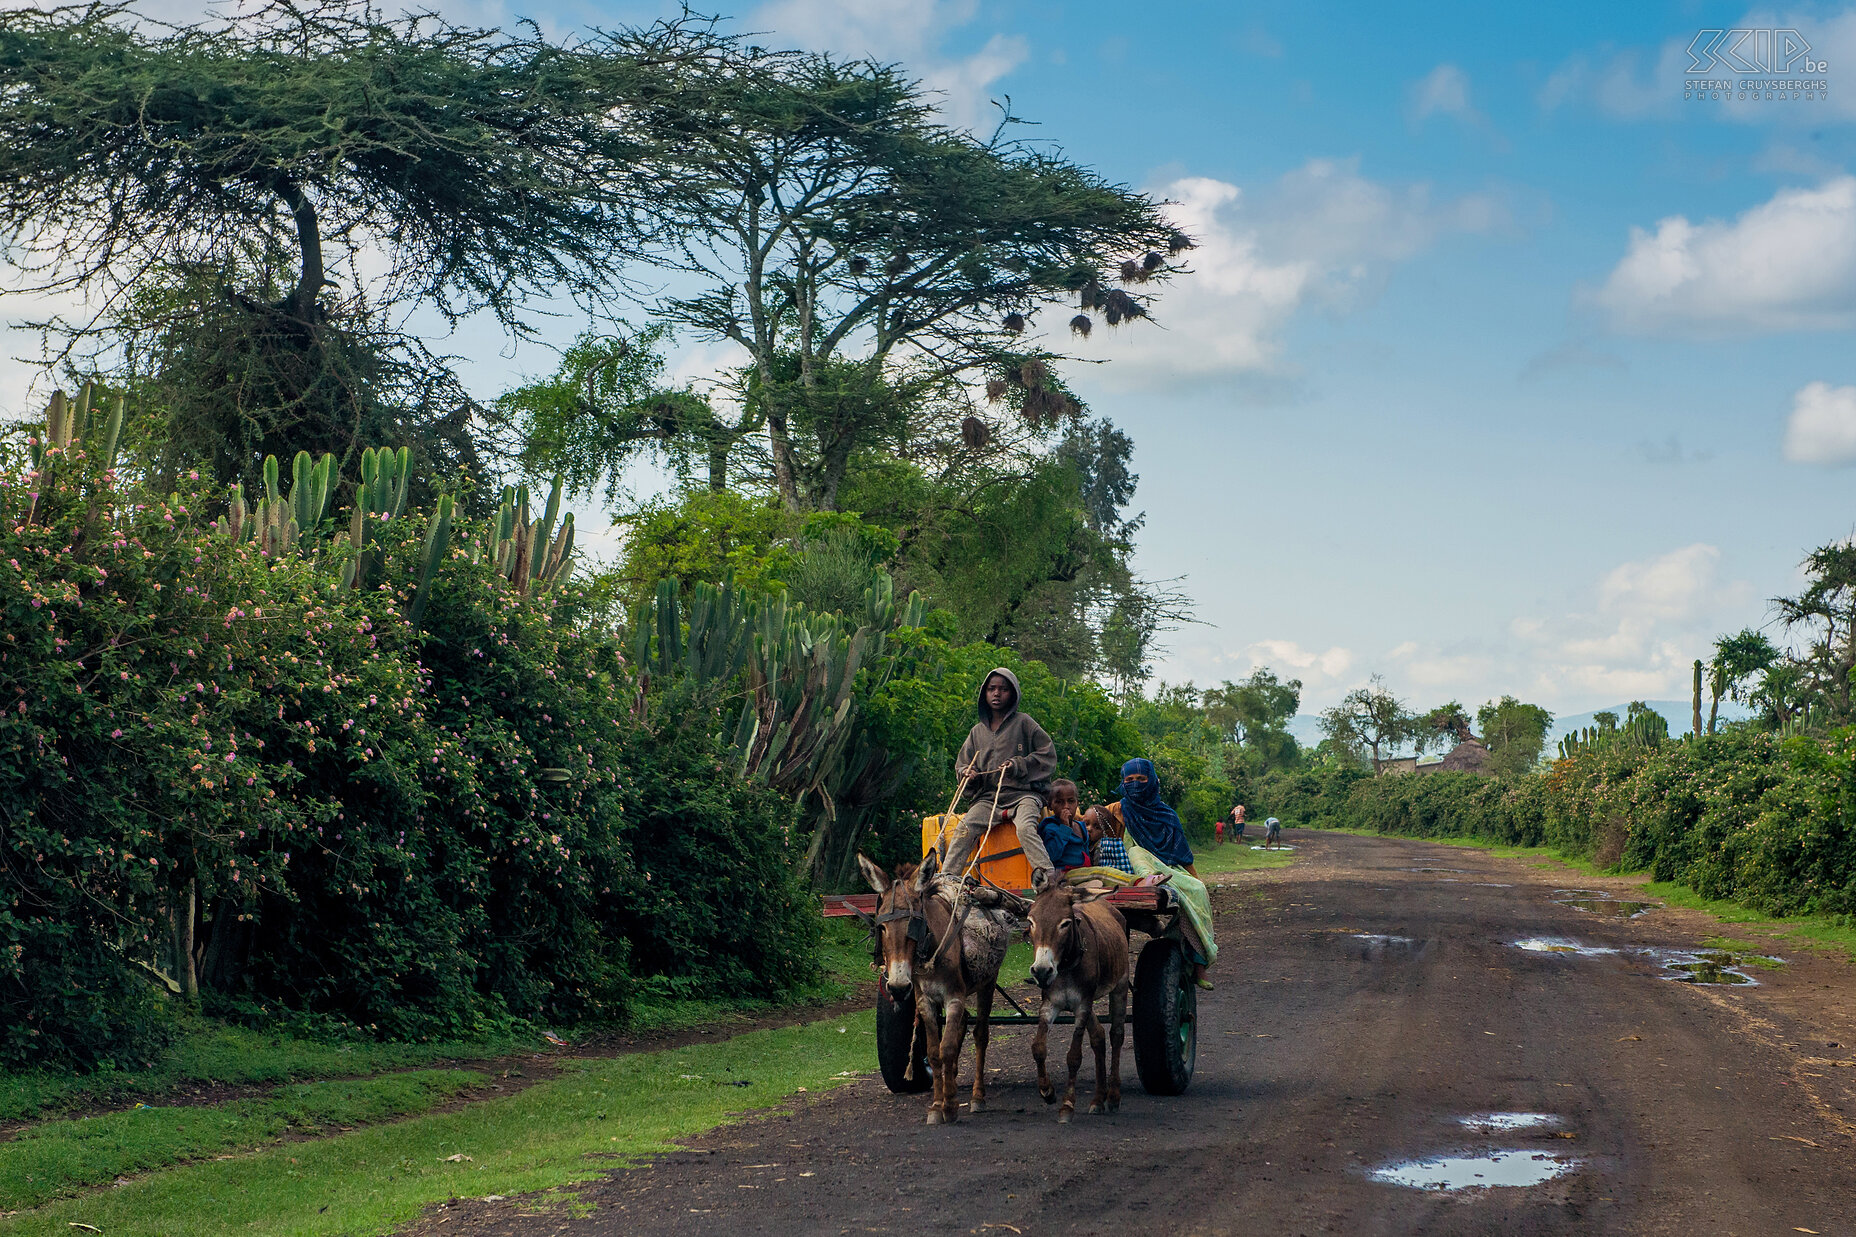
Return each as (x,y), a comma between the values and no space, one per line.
(1018,739)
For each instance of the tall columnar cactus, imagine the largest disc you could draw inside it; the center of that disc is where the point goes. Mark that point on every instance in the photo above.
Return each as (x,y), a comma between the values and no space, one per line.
(381,496)
(799,729)
(437,540)
(521,548)
(68,423)
(1697,697)
(279,524)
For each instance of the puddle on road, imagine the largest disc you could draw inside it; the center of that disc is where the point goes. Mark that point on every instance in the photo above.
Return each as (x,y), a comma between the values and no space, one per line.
(1379,947)
(1505,1121)
(1477,1172)
(1452,871)
(1616,908)
(1714,967)
(1561,945)
(1493,885)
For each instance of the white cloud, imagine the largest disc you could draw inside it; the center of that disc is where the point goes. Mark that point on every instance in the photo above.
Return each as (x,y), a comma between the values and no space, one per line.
(910,32)
(1652,618)
(1323,235)
(1822,426)
(1786,264)
(1292,660)
(1444,91)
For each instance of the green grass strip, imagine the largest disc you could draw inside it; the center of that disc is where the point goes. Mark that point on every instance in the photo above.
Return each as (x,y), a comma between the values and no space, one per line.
(60,1157)
(1238,857)
(1816,932)
(555,1133)
(208,1052)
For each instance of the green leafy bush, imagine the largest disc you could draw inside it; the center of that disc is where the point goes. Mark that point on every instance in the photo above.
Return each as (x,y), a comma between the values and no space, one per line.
(220,764)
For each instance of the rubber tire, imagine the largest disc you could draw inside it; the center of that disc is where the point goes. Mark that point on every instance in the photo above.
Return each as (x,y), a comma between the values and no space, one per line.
(896,1040)
(1166,1008)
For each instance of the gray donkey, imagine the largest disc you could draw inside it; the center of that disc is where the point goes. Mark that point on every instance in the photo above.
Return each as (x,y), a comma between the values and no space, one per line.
(948,949)
(1080,952)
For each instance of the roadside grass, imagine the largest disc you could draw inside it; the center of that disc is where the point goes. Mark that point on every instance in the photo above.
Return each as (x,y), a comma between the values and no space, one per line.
(1818,933)
(209,1052)
(1238,857)
(597,1115)
(1747,951)
(60,1157)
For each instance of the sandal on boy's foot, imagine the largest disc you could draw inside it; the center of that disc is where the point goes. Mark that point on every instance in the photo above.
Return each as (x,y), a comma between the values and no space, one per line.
(1203,983)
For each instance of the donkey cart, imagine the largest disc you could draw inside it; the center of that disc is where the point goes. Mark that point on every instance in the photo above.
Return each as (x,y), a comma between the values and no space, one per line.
(1165,1000)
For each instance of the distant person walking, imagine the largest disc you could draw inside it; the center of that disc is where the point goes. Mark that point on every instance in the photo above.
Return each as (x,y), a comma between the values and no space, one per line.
(1237,820)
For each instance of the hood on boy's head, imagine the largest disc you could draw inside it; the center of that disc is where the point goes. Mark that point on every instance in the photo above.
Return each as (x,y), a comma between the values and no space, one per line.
(1009,677)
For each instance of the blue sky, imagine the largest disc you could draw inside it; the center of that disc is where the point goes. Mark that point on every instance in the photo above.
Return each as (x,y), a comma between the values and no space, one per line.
(1502,367)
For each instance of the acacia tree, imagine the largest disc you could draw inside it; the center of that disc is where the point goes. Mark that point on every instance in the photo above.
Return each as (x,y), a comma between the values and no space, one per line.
(1737,658)
(1447,723)
(473,167)
(861,253)
(1369,717)
(1826,612)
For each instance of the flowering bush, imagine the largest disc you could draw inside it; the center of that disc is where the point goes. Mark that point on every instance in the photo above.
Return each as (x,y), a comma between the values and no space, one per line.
(221,769)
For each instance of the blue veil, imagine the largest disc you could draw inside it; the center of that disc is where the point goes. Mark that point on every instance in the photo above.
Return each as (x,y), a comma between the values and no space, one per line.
(1148,817)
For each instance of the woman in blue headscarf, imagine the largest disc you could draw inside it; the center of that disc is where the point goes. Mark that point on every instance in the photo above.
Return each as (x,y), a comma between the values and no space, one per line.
(1154,824)
(1157,844)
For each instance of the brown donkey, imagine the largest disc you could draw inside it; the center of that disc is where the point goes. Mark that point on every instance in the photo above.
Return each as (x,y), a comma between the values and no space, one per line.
(950,957)
(1080,952)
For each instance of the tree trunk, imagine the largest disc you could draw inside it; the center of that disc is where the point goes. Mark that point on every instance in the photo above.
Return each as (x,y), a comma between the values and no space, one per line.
(718,464)
(311,274)
(183,944)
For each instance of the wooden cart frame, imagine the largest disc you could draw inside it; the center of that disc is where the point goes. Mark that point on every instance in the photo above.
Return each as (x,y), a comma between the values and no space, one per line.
(1164,1010)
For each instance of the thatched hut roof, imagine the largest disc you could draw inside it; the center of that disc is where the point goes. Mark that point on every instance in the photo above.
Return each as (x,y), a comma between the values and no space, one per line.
(1469,756)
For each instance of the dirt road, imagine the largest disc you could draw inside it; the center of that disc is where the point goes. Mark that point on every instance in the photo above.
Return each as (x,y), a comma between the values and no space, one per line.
(1372,1006)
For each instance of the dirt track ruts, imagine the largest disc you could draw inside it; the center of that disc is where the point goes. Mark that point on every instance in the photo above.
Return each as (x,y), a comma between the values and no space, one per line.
(1692,1111)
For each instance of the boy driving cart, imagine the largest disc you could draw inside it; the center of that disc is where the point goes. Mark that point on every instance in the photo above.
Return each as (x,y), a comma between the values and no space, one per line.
(1005,767)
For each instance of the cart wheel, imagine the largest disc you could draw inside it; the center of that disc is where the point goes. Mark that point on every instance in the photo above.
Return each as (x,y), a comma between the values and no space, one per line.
(899,1050)
(1166,1022)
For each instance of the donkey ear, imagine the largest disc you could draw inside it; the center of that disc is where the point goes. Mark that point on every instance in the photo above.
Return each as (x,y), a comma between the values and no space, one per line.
(1090,891)
(873,874)
(931,865)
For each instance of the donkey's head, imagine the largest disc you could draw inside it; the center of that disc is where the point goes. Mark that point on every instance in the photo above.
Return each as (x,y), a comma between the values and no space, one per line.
(1056,929)
(901,927)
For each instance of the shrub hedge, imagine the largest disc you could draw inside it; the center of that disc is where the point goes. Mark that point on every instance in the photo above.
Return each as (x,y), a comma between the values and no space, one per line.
(418,831)
(1743,815)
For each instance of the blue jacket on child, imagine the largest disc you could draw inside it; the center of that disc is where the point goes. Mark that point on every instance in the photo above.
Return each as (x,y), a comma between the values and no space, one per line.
(1067,849)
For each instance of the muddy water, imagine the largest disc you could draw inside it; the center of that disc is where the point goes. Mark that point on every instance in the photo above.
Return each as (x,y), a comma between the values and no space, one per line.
(1616,908)
(1477,1172)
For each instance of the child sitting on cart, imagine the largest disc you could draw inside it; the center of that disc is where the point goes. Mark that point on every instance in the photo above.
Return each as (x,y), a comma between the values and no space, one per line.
(1067,839)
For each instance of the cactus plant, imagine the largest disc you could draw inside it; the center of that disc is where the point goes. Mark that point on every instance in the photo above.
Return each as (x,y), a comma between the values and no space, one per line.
(521,549)
(381,496)
(799,729)
(67,423)
(437,539)
(279,523)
